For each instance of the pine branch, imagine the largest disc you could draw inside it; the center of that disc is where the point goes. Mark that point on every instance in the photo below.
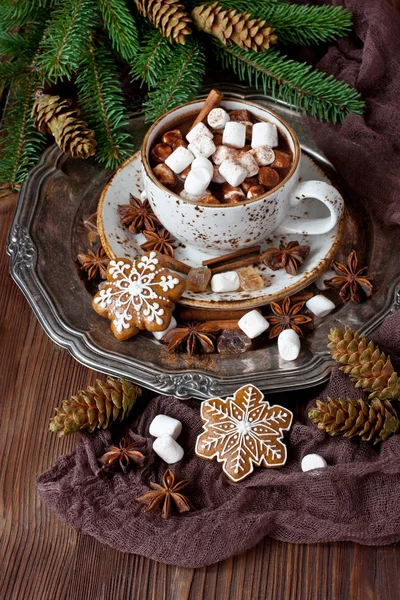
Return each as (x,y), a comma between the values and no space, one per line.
(121,27)
(314,92)
(67,37)
(155,53)
(296,24)
(21,143)
(102,103)
(15,14)
(182,80)
(10,44)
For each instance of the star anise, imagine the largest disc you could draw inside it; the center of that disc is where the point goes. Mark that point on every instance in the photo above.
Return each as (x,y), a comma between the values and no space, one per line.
(138,216)
(124,454)
(166,497)
(286,316)
(350,280)
(198,337)
(95,264)
(289,257)
(159,242)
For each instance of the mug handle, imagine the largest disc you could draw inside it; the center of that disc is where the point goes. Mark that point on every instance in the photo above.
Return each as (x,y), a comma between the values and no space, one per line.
(323,192)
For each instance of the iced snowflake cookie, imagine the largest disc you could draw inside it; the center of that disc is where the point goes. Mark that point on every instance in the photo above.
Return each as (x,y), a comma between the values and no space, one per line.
(243,431)
(138,295)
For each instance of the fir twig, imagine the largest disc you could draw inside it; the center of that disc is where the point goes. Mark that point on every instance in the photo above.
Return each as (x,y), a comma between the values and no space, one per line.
(323,96)
(120,26)
(155,53)
(102,102)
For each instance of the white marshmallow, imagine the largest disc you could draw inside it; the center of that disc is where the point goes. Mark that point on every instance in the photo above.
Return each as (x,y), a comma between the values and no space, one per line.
(179,159)
(222,153)
(165,425)
(234,134)
(264,134)
(264,155)
(218,118)
(194,197)
(217,177)
(320,281)
(233,172)
(199,131)
(168,449)
(248,162)
(320,305)
(197,181)
(288,344)
(204,163)
(160,334)
(253,324)
(225,282)
(312,461)
(202,146)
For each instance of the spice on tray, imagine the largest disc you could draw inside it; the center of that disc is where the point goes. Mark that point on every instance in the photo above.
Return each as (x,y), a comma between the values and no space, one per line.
(287,316)
(138,215)
(288,256)
(198,338)
(350,280)
(124,455)
(94,263)
(166,497)
(161,241)
(233,341)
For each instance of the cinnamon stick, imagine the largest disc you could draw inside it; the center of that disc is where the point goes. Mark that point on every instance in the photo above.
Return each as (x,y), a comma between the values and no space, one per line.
(244,262)
(213,99)
(224,324)
(176,265)
(187,314)
(213,262)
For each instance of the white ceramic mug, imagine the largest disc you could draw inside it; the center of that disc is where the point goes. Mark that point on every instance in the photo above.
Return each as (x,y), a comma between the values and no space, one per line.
(215,228)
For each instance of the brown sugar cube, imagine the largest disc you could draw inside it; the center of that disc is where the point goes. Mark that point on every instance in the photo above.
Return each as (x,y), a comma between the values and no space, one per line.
(171,136)
(248,183)
(268,177)
(240,115)
(282,160)
(164,175)
(160,152)
(255,191)
(198,279)
(231,193)
(209,199)
(250,280)
(178,143)
(183,174)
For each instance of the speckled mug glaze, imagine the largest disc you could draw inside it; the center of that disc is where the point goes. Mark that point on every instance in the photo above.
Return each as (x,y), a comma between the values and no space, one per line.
(223,227)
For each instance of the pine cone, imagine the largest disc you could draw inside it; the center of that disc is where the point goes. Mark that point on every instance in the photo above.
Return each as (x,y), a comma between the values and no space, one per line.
(355,418)
(169,16)
(54,115)
(230,26)
(95,408)
(368,367)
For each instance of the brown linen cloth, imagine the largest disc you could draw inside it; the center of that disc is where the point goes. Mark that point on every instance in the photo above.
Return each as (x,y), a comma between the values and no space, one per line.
(357,497)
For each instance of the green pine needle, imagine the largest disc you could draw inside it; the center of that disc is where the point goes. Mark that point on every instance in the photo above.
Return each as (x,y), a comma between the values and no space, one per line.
(10,43)
(183,77)
(21,143)
(102,103)
(155,53)
(299,84)
(121,27)
(296,24)
(67,38)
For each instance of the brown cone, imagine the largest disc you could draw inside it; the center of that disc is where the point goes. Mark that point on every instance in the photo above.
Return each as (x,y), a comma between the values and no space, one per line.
(352,418)
(230,26)
(54,115)
(169,16)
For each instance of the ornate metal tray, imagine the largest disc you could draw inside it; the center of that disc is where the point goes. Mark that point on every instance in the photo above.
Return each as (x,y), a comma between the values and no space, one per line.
(46,235)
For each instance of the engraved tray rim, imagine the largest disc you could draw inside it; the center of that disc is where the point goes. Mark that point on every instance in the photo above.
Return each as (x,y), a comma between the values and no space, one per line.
(182,383)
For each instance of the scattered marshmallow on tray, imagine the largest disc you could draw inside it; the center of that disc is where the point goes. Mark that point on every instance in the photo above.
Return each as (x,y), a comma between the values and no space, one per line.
(160,334)
(264,134)
(168,449)
(234,134)
(165,425)
(320,305)
(225,282)
(179,159)
(313,461)
(202,146)
(233,172)
(218,118)
(203,163)
(320,281)
(253,324)
(288,344)
(197,181)
(200,130)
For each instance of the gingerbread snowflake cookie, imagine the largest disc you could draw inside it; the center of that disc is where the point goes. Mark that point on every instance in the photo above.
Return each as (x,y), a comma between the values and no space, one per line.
(138,295)
(243,431)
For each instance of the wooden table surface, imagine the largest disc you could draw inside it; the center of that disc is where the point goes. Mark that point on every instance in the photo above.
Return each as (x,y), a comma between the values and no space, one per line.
(43,559)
